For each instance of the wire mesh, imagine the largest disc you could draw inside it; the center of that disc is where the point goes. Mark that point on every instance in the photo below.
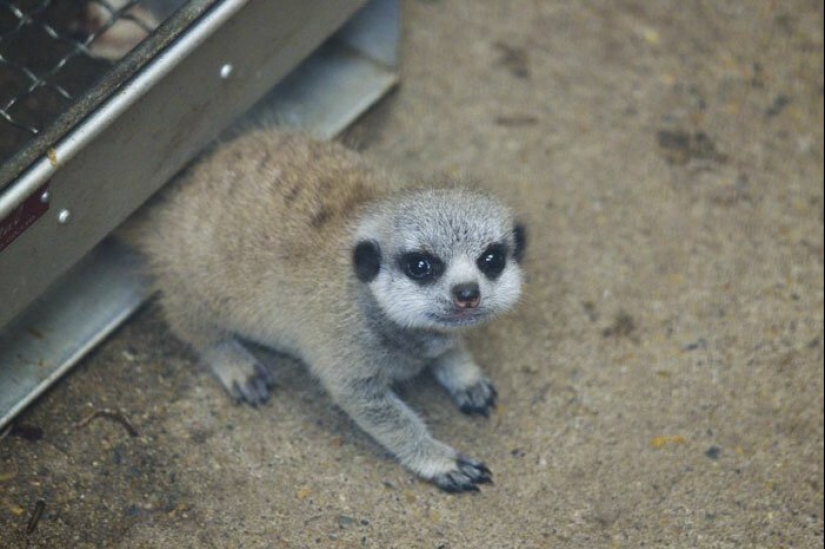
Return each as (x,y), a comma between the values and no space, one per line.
(54,51)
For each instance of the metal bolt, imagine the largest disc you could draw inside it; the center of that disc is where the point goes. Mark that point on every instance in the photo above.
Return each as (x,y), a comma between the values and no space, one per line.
(226,71)
(45,197)
(63,216)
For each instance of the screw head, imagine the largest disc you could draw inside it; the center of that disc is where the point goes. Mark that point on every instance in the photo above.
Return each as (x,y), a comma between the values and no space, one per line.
(45,197)
(226,71)
(63,216)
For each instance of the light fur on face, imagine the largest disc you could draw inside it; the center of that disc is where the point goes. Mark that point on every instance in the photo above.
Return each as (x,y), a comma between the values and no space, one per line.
(456,226)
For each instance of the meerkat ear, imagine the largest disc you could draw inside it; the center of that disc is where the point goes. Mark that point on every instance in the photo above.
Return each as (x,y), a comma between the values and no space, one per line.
(366,258)
(520,235)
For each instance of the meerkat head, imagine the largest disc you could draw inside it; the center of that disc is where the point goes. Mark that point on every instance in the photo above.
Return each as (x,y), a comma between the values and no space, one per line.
(440,258)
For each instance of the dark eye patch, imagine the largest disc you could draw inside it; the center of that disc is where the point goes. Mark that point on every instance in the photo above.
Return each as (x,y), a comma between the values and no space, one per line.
(492,261)
(421,267)
(366,258)
(520,236)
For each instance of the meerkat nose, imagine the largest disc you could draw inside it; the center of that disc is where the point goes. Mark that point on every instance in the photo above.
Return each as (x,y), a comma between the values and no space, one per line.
(466,295)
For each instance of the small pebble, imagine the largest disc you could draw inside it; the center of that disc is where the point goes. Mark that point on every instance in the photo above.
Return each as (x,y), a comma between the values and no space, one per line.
(344,521)
(714,452)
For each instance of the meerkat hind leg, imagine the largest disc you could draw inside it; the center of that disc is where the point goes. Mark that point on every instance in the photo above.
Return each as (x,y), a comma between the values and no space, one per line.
(238,370)
(462,378)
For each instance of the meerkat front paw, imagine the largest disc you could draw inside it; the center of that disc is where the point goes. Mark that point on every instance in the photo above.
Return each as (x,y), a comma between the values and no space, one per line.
(462,378)
(448,469)
(466,476)
(479,398)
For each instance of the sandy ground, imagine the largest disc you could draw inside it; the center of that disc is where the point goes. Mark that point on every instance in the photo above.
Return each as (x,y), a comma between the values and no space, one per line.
(661,383)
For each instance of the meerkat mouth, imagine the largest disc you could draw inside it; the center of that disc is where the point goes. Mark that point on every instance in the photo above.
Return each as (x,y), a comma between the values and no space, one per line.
(460,318)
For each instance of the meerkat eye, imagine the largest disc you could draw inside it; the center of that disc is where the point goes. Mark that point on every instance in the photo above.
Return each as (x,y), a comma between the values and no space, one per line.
(492,261)
(421,267)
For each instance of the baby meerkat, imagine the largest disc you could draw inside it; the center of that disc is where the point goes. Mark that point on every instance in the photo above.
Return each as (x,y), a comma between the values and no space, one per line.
(301,246)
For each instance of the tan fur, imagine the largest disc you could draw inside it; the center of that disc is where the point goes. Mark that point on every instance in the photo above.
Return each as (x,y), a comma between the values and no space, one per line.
(248,226)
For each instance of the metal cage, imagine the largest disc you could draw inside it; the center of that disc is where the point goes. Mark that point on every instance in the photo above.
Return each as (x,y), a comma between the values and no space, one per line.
(102,101)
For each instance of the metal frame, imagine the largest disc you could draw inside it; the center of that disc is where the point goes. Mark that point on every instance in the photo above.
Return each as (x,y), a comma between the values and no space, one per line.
(95,95)
(145,132)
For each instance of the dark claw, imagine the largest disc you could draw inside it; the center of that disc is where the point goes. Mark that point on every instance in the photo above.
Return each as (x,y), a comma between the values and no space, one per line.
(453,489)
(479,399)
(236,393)
(255,391)
(482,473)
(265,374)
(465,478)
(455,483)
